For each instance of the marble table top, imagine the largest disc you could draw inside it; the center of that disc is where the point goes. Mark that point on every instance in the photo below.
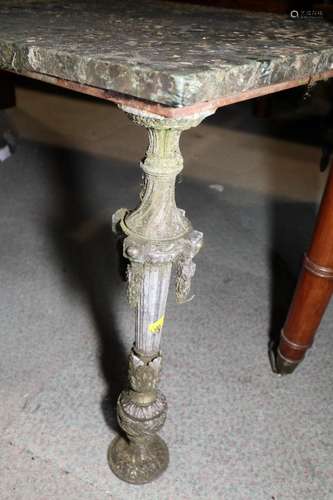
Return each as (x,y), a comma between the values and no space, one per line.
(168,53)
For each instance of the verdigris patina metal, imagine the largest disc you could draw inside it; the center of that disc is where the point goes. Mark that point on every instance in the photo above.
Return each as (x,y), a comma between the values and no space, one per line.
(157,235)
(172,65)
(172,54)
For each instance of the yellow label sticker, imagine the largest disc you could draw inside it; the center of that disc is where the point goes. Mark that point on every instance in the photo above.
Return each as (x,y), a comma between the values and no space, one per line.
(156,327)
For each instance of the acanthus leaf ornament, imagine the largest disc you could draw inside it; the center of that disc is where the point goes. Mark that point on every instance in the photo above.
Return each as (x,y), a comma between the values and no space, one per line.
(185,269)
(156,236)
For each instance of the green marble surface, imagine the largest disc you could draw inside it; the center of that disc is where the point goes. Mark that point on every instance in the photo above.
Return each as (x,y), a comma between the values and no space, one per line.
(164,52)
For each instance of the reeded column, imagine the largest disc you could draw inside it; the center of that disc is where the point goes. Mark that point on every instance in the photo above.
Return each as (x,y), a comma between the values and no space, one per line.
(157,237)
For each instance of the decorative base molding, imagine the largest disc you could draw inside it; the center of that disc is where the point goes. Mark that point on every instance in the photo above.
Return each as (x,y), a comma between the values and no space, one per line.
(138,465)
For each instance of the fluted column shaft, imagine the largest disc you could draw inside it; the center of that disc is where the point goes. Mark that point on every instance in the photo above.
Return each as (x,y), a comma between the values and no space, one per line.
(158,236)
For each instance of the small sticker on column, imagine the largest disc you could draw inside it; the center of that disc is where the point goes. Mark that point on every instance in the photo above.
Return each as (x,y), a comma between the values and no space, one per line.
(156,327)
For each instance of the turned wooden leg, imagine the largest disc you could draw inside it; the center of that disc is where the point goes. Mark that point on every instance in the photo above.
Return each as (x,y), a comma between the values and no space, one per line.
(7,90)
(313,291)
(157,235)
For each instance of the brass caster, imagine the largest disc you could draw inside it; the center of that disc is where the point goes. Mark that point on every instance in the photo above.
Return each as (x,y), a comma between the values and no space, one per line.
(284,366)
(138,464)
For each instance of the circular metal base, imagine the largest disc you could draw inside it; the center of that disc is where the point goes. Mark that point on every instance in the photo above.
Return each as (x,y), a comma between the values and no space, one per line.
(138,466)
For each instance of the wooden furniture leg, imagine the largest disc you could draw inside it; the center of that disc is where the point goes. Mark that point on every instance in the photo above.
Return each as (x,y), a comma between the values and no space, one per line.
(156,237)
(7,90)
(313,291)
